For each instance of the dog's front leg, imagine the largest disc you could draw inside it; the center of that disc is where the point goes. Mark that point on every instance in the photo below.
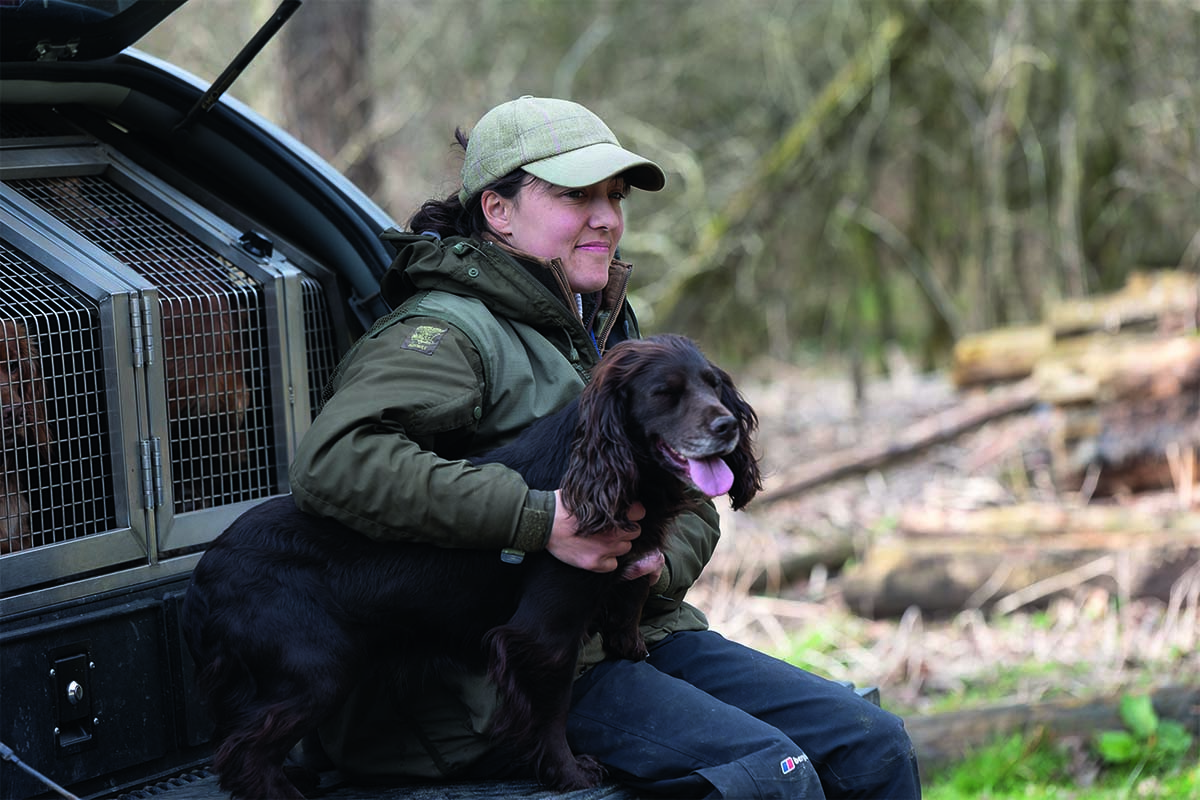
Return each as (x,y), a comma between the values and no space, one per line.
(532,662)
(619,618)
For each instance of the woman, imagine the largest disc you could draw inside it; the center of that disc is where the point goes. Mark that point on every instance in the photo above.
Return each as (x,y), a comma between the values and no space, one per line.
(506,296)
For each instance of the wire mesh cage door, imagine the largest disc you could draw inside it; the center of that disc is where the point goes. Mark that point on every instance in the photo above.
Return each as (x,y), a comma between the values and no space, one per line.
(213,346)
(58,474)
(66,420)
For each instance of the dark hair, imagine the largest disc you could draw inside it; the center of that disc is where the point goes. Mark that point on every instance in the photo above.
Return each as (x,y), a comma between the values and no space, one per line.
(450,217)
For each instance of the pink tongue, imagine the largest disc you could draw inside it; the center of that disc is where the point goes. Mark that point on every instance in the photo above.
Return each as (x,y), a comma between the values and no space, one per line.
(711,476)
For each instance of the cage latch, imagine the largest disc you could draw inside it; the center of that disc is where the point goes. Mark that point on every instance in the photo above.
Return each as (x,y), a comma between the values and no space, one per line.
(74,717)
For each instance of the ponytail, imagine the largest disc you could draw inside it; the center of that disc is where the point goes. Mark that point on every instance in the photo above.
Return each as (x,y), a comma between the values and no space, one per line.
(449,217)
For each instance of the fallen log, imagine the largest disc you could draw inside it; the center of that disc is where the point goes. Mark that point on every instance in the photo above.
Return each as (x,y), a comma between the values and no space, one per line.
(1128,446)
(943,739)
(1001,354)
(1108,369)
(943,576)
(1160,300)
(973,412)
(1151,305)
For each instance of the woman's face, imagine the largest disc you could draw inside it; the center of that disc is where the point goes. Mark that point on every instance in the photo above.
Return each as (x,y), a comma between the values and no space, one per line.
(582,227)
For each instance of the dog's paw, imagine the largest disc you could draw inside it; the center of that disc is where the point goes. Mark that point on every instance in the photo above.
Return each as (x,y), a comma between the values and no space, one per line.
(583,772)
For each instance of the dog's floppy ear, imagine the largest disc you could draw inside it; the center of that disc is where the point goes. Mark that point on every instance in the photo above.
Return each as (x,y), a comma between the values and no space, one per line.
(747,479)
(603,471)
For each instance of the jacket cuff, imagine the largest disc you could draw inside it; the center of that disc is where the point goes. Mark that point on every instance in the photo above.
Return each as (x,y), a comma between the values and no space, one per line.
(660,587)
(533,527)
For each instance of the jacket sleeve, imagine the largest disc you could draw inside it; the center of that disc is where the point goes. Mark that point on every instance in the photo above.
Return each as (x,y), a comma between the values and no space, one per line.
(691,545)
(383,456)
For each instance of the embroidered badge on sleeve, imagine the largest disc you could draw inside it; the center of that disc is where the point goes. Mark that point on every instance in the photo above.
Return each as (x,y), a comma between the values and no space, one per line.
(424,339)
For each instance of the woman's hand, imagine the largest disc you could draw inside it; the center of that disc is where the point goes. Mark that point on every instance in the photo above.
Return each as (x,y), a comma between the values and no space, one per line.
(597,553)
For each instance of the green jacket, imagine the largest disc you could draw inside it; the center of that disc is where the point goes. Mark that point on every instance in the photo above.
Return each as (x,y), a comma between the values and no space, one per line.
(481,343)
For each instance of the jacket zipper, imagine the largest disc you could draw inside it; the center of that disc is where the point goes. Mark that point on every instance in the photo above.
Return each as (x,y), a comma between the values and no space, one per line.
(615,311)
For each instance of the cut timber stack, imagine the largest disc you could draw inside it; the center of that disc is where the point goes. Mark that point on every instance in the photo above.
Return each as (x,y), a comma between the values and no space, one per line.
(1118,376)
(1121,373)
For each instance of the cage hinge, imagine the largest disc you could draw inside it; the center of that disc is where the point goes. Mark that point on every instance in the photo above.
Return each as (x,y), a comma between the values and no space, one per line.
(136,334)
(152,481)
(148,329)
(141,324)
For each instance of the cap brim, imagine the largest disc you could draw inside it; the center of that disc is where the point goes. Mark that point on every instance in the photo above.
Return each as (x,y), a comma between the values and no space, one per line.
(598,162)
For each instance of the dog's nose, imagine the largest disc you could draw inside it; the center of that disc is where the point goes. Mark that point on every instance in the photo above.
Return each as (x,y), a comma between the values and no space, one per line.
(724,426)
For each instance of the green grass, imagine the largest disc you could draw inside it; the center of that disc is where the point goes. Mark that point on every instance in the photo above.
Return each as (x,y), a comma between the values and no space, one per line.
(1011,771)
(1148,758)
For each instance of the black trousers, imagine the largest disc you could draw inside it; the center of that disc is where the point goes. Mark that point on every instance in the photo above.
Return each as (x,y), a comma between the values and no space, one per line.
(703,717)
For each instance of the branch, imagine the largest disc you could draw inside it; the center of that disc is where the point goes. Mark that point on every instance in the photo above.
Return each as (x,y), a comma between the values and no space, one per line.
(938,428)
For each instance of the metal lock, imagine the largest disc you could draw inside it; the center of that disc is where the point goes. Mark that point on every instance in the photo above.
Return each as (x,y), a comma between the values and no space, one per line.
(74,720)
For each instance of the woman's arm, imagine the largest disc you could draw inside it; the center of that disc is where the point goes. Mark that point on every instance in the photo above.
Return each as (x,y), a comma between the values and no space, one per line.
(373,458)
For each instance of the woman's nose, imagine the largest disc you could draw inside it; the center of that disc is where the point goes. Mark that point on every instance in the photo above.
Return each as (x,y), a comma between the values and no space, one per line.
(606,214)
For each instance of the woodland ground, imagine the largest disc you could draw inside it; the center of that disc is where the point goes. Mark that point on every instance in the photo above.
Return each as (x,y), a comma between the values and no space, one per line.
(1084,643)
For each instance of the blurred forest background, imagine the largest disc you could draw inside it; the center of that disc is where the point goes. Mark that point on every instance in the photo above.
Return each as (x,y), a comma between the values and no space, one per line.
(844,175)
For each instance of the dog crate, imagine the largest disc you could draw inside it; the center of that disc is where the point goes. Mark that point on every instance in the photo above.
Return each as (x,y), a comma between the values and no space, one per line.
(159,362)
(160,355)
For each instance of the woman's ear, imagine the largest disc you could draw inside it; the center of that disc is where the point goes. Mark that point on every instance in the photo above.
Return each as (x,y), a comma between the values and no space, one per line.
(497,211)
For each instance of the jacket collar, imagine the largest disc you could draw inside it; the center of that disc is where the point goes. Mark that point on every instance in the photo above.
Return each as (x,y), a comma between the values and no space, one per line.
(610,298)
(424,262)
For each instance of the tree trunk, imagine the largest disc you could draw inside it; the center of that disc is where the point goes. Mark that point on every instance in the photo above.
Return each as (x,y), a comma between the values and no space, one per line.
(327,88)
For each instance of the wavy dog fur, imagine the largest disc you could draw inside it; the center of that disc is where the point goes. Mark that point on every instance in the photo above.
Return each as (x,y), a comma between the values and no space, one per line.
(287,611)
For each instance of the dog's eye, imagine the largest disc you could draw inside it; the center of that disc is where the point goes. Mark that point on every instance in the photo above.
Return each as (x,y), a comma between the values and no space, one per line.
(711,378)
(668,391)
